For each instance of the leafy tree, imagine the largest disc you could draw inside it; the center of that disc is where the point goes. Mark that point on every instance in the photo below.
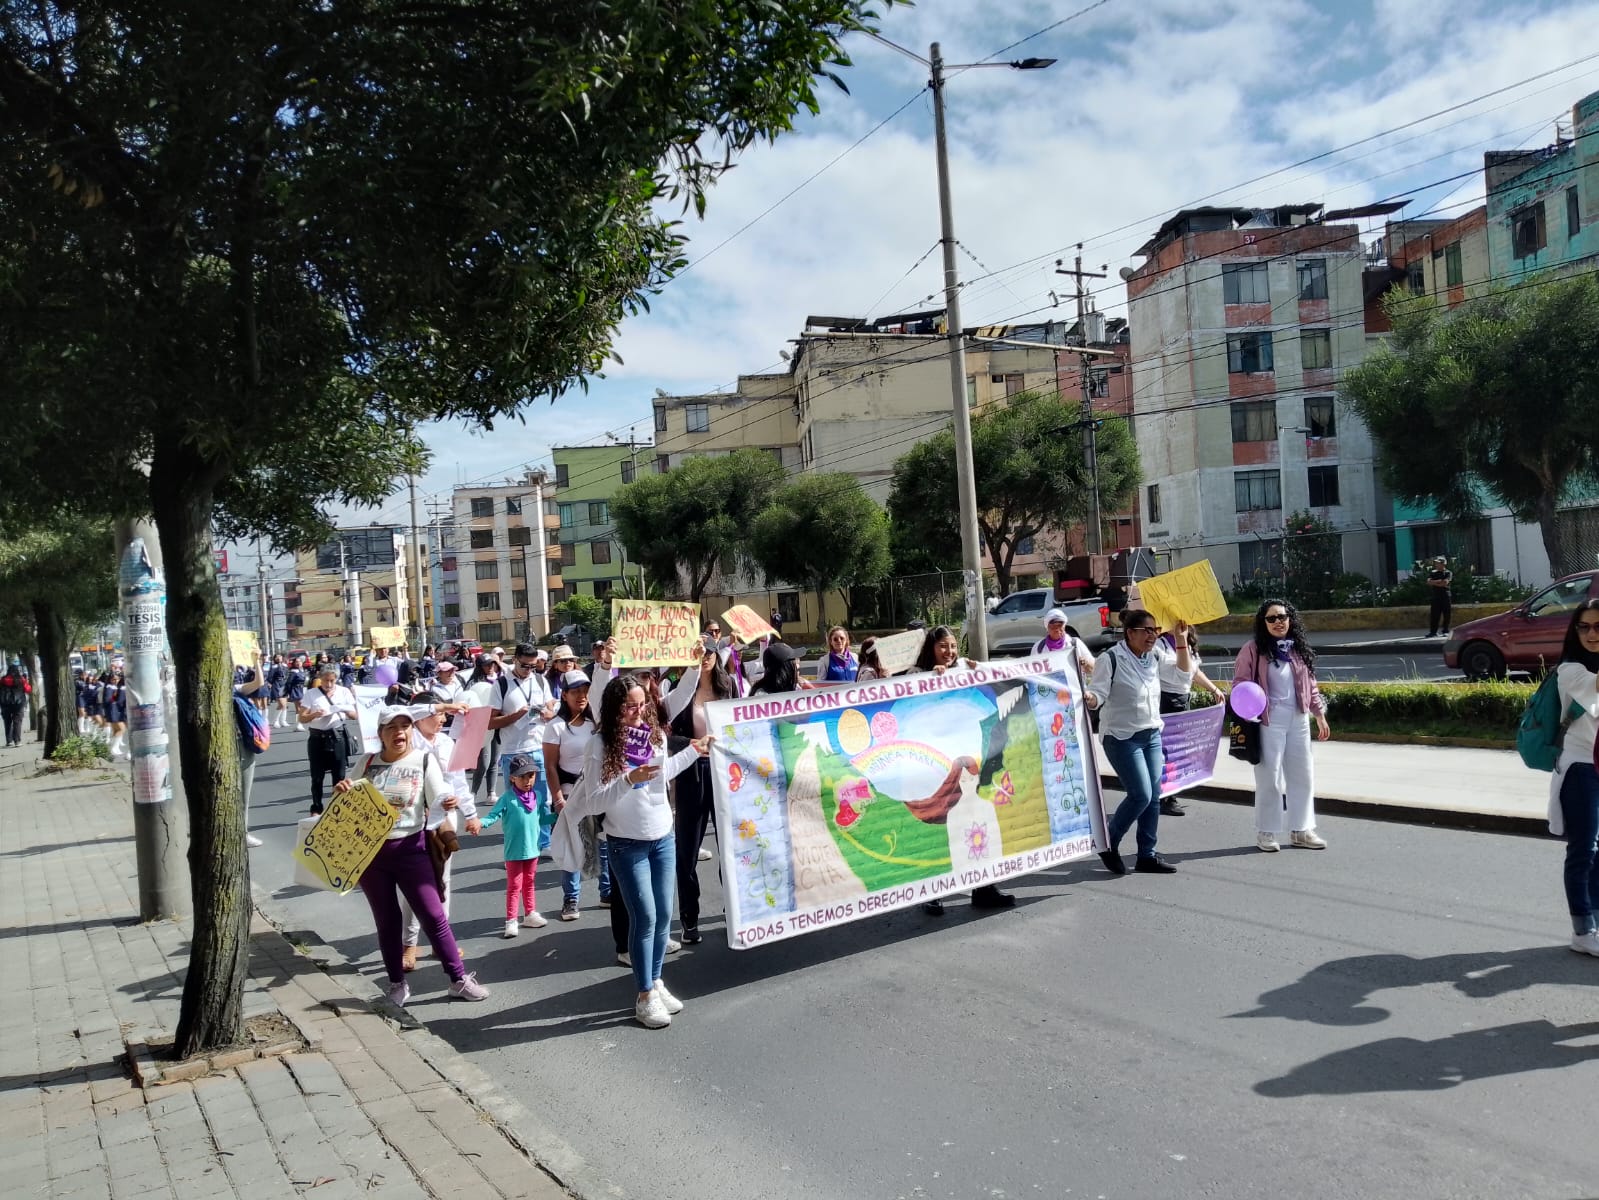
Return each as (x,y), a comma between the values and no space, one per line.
(253,248)
(692,517)
(590,612)
(54,580)
(825,531)
(1313,559)
(1028,457)
(1492,400)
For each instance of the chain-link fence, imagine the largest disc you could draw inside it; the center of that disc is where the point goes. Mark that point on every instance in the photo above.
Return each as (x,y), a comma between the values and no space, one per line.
(1576,540)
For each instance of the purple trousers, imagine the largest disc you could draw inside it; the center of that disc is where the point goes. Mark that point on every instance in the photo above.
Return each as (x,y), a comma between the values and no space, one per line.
(404,864)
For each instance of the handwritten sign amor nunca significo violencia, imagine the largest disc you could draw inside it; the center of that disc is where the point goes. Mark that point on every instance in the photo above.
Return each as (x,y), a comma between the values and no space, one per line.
(655,633)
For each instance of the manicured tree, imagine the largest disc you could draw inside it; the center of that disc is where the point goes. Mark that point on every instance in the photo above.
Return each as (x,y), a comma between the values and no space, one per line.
(825,531)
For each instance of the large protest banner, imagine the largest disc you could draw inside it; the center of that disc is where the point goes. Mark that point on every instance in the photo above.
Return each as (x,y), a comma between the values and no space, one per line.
(1190,740)
(1189,594)
(656,633)
(846,801)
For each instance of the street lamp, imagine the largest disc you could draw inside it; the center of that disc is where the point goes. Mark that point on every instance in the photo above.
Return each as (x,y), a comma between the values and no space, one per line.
(965,483)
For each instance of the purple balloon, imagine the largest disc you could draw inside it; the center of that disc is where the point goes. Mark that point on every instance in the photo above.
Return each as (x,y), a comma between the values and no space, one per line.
(1248,700)
(387,671)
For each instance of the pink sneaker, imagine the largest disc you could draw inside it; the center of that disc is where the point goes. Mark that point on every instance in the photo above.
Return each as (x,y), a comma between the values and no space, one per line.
(468,988)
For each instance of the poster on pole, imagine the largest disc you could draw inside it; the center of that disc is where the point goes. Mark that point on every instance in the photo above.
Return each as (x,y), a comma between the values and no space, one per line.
(744,623)
(244,646)
(468,731)
(844,802)
(899,651)
(142,589)
(390,636)
(1189,594)
(655,633)
(1190,740)
(368,702)
(346,839)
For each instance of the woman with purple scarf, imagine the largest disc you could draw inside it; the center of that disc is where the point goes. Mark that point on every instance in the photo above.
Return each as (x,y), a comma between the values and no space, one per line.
(838,665)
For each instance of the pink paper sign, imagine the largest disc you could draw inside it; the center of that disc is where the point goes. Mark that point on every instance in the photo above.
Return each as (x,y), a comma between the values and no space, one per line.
(468,731)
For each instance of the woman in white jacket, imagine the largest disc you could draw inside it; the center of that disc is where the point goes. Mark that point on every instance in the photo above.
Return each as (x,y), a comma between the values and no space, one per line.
(625,773)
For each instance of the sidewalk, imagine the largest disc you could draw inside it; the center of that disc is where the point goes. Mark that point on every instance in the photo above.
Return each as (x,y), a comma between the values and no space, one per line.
(337,1100)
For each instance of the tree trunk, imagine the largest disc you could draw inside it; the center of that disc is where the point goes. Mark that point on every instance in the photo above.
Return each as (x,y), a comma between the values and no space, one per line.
(1549,529)
(212,1012)
(55,668)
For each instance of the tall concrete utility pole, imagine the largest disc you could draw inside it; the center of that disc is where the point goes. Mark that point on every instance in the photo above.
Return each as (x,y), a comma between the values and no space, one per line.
(417,626)
(538,606)
(965,480)
(266,602)
(351,588)
(1095,532)
(160,825)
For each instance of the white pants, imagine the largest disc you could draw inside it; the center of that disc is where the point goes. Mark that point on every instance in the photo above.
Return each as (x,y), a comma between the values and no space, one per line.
(413,926)
(1285,769)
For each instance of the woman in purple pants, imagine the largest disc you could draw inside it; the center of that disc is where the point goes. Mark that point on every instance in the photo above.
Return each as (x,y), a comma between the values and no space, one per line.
(412,779)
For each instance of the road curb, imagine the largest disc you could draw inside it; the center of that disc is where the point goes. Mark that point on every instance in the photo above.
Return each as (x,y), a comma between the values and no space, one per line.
(1374,809)
(553,1154)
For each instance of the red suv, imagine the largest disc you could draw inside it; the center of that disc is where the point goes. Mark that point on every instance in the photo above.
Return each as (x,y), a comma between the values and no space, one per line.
(1527,638)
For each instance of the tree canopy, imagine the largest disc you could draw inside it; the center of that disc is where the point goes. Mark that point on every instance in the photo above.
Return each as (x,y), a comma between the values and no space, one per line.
(252,248)
(694,516)
(822,530)
(1491,401)
(1031,477)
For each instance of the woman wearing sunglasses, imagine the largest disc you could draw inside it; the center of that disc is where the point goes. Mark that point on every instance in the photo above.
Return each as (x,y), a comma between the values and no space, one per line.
(1280,660)
(1574,791)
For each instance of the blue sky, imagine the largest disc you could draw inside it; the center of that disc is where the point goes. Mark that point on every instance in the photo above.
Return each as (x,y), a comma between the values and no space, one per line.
(1153,105)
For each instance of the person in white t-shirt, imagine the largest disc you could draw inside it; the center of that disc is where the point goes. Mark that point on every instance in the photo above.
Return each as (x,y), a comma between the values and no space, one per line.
(323,708)
(526,709)
(566,740)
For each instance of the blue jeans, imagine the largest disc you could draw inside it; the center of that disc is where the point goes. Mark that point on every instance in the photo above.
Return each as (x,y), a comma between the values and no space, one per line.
(1139,762)
(646,872)
(572,881)
(1579,802)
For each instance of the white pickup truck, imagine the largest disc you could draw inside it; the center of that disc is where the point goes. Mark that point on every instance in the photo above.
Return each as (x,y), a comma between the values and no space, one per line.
(1017,622)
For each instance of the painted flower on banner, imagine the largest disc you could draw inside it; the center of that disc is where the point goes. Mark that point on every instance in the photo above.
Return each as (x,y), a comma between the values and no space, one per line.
(735,777)
(765,768)
(977,841)
(746,829)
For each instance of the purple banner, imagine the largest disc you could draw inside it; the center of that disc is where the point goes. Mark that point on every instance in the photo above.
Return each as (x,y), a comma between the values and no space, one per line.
(1190,740)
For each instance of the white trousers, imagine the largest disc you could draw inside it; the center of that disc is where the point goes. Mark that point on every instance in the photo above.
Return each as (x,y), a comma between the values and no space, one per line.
(1285,770)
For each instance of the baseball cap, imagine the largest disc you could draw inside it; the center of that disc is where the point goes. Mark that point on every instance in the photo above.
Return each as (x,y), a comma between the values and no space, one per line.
(574,679)
(393,712)
(521,764)
(1055,614)
(444,664)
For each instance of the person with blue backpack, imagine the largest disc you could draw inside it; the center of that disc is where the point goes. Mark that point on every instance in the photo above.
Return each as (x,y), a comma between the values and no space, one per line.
(1574,790)
(254,733)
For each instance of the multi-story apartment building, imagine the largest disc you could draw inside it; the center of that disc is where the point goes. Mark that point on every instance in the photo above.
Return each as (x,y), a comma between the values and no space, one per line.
(504,590)
(1542,212)
(592,559)
(241,607)
(316,613)
(1242,322)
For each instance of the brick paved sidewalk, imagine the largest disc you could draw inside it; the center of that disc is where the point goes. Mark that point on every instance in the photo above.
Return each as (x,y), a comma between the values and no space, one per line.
(358,1111)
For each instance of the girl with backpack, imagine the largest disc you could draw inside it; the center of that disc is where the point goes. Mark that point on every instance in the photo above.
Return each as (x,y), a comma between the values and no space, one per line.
(114,701)
(1574,790)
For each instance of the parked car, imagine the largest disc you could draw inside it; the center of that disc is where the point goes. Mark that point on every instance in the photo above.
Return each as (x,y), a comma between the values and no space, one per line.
(1527,638)
(576,636)
(1017,621)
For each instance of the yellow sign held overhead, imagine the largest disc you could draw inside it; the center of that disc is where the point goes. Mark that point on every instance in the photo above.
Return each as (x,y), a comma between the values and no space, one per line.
(654,633)
(244,646)
(390,636)
(345,841)
(1189,594)
(748,625)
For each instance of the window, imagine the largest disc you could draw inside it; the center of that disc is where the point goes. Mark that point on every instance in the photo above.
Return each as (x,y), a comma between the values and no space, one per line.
(1573,213)
(1255,421)
(1260,560)
(1099,384)
(1323,487)
(490,631)
(1024,546)
(561,477)
(971,391)
(1313,279)
(518,568)
(1020,602)
(519,598)
(452,609)
(1561,598)
(1248,352)
(569,555)
(452,587)
(1152,503)
(520,536)
(552,537)
(1319,418)
(697,418)
(663,463)
(1245,284)
(487,569)
(1415,278)
(599,552)
(660,418)
(627,470)
(1527,230)
(482,539)
(449,563)
(1315,349)
(1469,541)
(1014,382)
(1254,491)
(556,596)
(788,606)
(1453,275)
(482,506)
(513,506)
(488,602)
(599,512)
(568,514)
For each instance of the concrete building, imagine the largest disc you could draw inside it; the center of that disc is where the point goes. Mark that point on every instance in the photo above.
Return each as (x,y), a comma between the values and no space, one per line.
(1448,260)
(592,559)
(1542,208)
(1242,321)
(503,592)
(316,612)
(241,607)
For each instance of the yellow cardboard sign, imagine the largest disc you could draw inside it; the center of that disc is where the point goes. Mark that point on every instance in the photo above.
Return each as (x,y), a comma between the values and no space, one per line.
(390,636)
(747,625)
(1189,593)
(345,841)
(242,644)
(656,633)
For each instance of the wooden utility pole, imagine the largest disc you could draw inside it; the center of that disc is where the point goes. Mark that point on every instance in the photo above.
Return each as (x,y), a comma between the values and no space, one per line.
(1094,539)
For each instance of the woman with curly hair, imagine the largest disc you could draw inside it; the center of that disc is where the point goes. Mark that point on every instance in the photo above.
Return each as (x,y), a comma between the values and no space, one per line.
(625,773)
(1280,660)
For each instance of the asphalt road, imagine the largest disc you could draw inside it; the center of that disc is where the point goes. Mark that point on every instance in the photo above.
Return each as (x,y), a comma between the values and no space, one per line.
(1395,1016)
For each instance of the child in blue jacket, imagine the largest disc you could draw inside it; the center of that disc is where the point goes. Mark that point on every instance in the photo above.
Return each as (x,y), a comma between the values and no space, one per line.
(527,830)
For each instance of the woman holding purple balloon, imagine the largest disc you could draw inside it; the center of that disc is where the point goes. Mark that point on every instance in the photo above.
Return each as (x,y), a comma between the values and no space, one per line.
(1274,682)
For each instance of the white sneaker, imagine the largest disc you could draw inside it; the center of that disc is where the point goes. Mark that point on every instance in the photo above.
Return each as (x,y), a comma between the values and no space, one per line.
(252,841)
(705,855)
(468,988)
(1306,839)
(534,921)
(1267,842)
(673,945)
(625,959)
(651,1013)
(672,1003)
(399,993)
(512,928)
(1586,943)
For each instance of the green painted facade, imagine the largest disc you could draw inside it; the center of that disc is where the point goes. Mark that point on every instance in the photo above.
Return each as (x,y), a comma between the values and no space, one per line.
(586,478)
